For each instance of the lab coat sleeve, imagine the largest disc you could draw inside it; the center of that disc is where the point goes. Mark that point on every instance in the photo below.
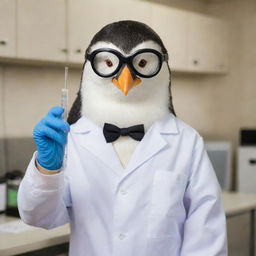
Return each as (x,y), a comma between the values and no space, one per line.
(44,200)
(205,226)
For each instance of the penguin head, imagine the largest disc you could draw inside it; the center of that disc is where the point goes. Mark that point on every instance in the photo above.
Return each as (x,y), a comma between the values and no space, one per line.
(126,77)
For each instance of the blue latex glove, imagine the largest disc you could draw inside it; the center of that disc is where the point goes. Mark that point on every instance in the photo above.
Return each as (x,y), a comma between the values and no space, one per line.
(50,136)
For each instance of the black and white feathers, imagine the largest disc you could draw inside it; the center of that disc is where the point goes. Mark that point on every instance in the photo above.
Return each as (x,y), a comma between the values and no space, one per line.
(124,35)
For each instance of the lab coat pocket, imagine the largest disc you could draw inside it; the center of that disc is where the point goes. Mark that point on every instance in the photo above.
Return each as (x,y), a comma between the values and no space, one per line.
(168,246)
(166,210)
(167,193)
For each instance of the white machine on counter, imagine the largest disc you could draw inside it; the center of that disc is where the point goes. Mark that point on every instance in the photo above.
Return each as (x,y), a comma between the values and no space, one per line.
(220,154)
(247,162)
(3,190)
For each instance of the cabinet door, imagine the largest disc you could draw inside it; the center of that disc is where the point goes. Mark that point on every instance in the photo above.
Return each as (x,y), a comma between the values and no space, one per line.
(172,26)
(41,29)
(238,233)
(85,19)
(131,10)
(7,28)
(207,44)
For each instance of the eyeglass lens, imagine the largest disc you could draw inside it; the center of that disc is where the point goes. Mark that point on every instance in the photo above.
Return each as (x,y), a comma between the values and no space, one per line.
(105,62)
(145,63)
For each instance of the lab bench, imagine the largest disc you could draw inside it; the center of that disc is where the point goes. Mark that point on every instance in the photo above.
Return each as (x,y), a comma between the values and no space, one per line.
(239,209)
(34,239)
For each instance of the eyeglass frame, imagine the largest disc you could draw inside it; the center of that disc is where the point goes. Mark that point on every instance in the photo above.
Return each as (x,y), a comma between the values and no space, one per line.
(127,60)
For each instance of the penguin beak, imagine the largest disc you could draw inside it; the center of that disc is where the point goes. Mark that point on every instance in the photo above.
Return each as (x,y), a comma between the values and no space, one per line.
(125,82)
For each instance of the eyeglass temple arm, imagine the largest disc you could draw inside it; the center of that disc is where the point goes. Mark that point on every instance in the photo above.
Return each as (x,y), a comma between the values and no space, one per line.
(165,57)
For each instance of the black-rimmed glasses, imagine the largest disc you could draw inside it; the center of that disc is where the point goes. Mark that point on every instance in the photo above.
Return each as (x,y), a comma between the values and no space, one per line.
(107,62)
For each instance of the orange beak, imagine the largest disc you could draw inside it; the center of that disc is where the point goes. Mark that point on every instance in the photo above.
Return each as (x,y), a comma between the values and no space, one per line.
(125,81)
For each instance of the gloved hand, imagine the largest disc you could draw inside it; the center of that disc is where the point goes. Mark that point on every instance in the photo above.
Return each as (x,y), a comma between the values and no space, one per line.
(50,136)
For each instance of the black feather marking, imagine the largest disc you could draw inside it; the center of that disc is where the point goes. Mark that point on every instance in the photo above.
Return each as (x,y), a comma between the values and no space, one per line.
(171,108)
(126,34)
(75,111)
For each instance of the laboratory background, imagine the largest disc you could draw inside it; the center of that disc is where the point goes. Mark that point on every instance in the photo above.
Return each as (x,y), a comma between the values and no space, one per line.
(212,55)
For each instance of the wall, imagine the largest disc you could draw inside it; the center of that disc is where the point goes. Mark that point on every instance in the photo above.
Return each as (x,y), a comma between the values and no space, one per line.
(2,152)
(28,88)
(28,93)
(239,86)
(236,105)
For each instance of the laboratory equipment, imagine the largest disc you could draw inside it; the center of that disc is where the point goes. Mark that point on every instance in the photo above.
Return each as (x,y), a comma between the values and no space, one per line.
(2,194)
(13,182)
(247,161)
(220,154)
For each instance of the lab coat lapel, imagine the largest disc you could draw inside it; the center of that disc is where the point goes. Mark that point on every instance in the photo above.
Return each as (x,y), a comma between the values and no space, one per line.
(150,145)
(92,138)
(153,142)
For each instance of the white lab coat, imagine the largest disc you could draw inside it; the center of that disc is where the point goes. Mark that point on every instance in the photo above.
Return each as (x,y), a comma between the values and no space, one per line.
(165,203)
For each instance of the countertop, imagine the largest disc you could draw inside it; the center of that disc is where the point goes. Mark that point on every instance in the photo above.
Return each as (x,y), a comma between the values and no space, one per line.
(30,240)
(236,203)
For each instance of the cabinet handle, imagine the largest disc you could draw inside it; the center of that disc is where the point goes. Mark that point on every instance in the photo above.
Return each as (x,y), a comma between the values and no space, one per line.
(78,50)
(3,42)
(195,62)
(252,161)
(65,50)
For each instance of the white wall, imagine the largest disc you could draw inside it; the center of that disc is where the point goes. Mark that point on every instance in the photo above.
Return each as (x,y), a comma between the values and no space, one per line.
(30,92)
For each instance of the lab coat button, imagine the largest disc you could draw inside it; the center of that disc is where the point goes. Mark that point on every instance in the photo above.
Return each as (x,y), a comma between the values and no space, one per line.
(121,236)
(123,192)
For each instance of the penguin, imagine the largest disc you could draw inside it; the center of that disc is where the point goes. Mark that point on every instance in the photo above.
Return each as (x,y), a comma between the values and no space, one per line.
(103,100)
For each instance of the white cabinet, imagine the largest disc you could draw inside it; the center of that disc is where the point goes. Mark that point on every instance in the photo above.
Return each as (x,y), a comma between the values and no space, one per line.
(239,224)
(247,169)
(61,30)
(208,44)
(41,29)
(8,28)
(195,42)
(172,26)
(85,19)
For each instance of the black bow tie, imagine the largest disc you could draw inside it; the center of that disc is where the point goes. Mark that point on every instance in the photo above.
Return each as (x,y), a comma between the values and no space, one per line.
(112,132)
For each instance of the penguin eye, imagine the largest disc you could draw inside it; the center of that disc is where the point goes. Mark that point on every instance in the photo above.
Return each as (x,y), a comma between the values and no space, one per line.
(142,63)
(109,63)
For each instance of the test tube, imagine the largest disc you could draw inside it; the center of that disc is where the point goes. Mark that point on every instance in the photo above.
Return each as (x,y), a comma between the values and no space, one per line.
(64,104)
(64,96)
